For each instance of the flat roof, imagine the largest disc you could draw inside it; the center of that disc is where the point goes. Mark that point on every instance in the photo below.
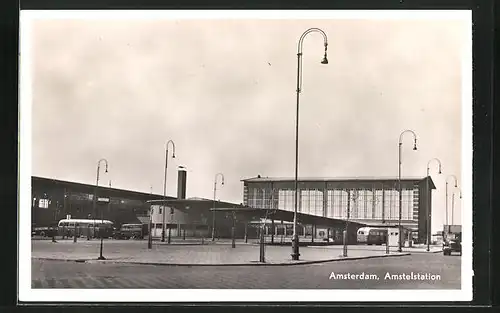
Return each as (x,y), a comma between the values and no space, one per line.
(332,179)
(261,179)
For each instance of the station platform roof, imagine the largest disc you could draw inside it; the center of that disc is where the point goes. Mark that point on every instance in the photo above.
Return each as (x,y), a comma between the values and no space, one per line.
(200,205)
(406,224)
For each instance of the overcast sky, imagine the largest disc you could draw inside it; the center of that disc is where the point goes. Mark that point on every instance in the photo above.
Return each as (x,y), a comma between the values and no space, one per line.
(224,92)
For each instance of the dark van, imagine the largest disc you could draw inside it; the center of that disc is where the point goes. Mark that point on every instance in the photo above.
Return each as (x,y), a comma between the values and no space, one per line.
(128,231)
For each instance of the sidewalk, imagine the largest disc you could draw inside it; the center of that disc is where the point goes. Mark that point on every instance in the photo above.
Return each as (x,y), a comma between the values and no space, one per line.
(414,249)
(192,255)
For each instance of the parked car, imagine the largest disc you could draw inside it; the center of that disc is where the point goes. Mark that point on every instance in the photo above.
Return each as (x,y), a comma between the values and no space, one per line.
(44,231)
(452,244)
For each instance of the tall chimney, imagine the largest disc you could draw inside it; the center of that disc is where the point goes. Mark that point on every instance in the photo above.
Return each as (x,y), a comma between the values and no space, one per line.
(181,183)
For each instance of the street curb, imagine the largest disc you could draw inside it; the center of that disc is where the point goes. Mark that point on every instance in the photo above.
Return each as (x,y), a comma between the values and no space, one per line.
(94,261)
(427,252)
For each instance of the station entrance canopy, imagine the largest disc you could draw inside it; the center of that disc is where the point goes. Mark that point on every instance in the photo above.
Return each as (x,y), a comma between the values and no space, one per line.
(242,212)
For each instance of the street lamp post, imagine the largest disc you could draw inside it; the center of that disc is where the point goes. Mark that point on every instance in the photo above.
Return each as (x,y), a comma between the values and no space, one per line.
(428,235)
(101,257)
(400,247)
(295,242)
(215,194)
(453,205)
(150,229)
(55,222)
(165,190)
(233,229)
(446,203)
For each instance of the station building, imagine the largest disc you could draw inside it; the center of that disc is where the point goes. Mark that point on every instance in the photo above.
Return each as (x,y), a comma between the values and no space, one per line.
(54,200)
(326,207)
(366,201)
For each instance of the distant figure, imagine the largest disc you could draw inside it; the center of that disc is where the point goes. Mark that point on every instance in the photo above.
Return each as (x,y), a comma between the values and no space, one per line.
(269,63)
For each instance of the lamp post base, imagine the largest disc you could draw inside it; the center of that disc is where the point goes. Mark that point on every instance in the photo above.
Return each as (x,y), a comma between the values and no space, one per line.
(344,248)
(295,248)
(233,240)
(101,257)
(262,257)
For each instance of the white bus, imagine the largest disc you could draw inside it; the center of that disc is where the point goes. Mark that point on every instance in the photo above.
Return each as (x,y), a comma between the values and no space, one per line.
(372,236)
(85,227)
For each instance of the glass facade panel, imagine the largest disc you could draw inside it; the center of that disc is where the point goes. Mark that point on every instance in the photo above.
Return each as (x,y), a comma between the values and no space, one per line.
(339,203)
(391,205)
(262,198)
(311,202)
(259,197)
(367,202)
(379,205)
(407,204)
(353,204)
(329,204)
(286,199)
(304,202)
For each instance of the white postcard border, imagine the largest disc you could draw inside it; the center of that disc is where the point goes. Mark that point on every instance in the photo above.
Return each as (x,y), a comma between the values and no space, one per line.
(26,293)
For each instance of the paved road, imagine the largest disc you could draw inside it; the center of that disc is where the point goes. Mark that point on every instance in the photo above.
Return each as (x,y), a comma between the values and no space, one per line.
(60,274)
(136,251)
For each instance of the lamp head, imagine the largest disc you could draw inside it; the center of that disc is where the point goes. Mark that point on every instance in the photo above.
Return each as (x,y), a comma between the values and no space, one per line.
(173,155)
(415,146)
(325,59)
(456,185)
(106,169)
(440,171)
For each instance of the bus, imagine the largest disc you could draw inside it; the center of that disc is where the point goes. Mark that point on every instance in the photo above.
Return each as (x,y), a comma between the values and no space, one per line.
(85,227)
(371,236)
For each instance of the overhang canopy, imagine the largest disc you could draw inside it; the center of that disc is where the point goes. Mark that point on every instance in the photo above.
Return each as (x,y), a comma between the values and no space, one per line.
(200,205)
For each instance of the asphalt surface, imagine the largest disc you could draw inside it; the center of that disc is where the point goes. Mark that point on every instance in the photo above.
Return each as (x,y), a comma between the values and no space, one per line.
(446,271)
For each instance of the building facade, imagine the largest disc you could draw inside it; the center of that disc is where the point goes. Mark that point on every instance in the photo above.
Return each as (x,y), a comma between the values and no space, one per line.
(371,201)
(53,200)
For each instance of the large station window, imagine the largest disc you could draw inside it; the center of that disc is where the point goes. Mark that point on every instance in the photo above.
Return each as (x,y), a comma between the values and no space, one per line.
(286,199)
